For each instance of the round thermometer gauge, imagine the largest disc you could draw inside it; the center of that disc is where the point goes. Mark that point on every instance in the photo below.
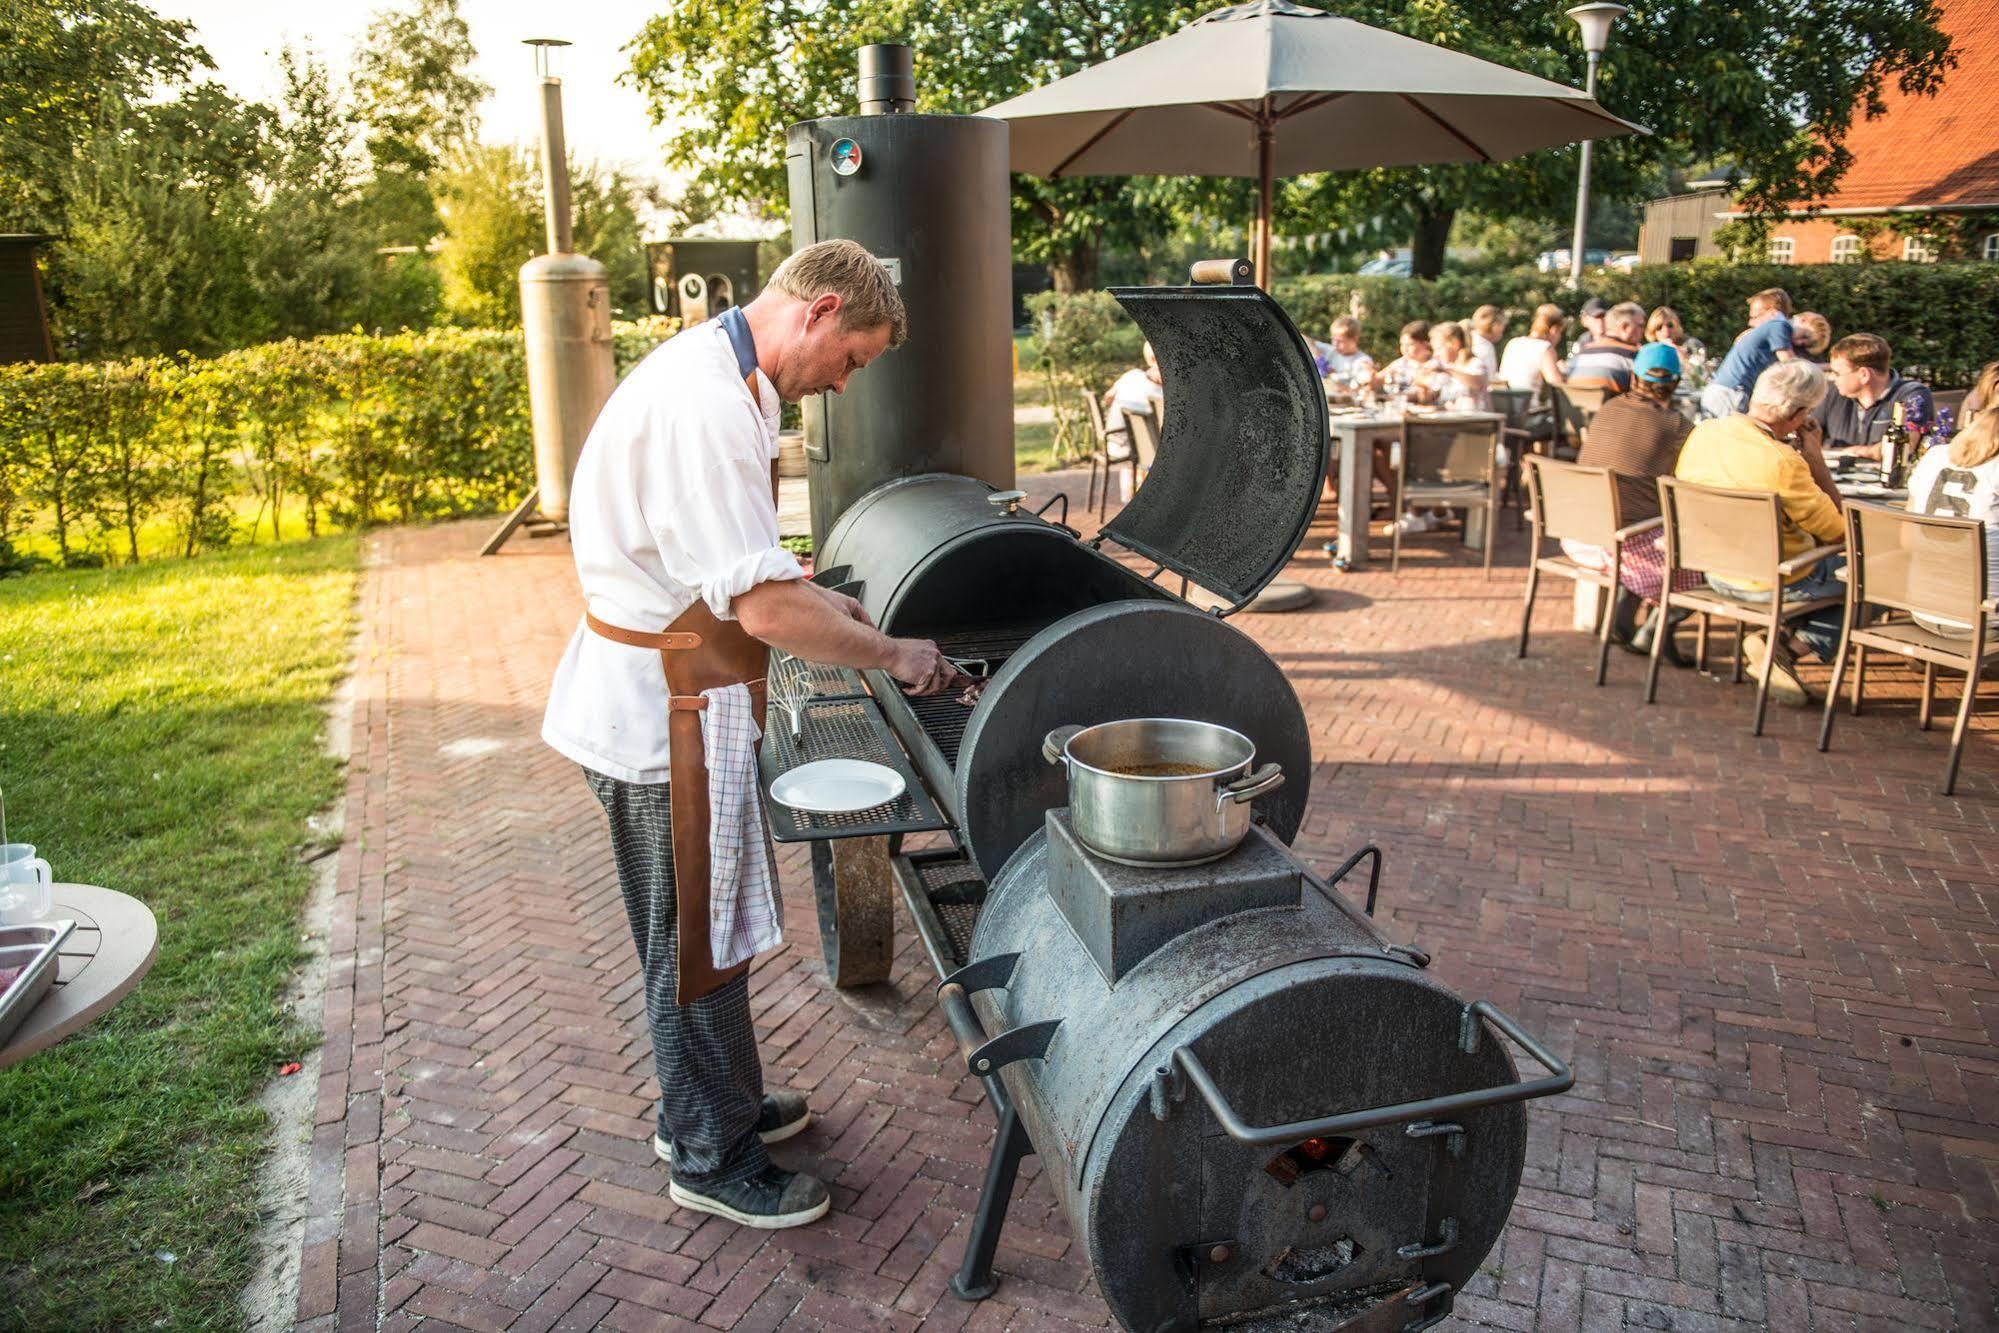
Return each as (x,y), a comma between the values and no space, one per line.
(846,157)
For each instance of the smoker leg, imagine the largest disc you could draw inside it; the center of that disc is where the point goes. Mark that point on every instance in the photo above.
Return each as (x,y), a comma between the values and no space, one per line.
(974,1278)
(522,513)
(852,882)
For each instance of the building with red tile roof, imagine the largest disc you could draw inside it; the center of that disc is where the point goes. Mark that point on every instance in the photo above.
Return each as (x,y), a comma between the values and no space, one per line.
(1924,156)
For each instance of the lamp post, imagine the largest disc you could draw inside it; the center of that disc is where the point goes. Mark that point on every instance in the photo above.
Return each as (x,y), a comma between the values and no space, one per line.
(1594,20)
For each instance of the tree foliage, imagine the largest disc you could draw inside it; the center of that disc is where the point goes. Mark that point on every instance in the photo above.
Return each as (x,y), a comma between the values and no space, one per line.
(1770,89)
(495,221)
(66,68)
(730,75)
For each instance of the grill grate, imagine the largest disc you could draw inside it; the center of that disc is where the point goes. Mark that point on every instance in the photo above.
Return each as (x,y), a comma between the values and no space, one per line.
(841,723)
(941,716)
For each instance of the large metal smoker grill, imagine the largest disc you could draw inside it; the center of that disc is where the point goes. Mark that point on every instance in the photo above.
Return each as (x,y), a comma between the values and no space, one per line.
(1255,1108)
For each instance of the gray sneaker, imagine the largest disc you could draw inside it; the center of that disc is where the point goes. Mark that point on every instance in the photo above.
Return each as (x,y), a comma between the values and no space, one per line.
(769,1201)
(1785,685)
(784,1114)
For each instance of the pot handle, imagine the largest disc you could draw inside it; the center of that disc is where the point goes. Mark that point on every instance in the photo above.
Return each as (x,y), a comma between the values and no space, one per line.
(1260,783)
(1052,744)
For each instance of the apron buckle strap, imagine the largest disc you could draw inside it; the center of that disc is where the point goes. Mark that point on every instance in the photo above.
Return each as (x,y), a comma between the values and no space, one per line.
(665,641)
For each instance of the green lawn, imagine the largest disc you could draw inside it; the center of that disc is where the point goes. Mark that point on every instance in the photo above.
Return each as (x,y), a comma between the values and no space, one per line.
(160,733)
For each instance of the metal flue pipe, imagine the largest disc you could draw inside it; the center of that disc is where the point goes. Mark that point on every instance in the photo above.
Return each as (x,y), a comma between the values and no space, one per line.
(554,168)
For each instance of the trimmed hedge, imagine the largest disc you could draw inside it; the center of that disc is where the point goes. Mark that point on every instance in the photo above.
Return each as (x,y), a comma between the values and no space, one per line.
(1941,319)
(113,461)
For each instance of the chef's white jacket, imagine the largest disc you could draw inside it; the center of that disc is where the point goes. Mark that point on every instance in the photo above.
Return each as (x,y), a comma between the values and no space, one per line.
(671,502)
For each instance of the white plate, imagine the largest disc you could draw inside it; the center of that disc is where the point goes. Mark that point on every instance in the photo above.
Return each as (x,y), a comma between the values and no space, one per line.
(837,786)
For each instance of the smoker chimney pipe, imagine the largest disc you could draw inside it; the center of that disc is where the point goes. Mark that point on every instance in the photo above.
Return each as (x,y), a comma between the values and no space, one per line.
(888,79)
(554,168)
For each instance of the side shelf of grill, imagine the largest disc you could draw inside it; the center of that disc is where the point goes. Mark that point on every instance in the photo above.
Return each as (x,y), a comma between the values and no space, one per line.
(839,720)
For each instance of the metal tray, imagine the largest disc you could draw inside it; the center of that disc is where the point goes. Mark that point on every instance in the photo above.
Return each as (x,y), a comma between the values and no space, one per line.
(840,720)
(34,947)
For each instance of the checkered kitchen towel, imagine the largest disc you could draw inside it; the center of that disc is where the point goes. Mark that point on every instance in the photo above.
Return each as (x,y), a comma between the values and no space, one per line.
(744,917)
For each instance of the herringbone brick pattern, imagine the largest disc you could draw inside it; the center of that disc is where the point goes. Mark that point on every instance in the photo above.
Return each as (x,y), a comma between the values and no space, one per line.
(1772,969)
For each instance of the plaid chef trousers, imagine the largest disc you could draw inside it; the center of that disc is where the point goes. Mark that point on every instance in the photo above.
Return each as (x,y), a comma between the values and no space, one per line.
(704,1053)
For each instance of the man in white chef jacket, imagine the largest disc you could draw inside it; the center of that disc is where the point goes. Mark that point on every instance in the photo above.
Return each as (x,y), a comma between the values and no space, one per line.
(674,527)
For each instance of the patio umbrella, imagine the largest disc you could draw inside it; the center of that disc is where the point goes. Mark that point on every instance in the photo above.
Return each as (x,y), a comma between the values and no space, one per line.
(1209,101)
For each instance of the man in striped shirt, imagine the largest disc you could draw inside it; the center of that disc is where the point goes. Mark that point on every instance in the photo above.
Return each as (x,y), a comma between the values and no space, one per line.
(1606,362)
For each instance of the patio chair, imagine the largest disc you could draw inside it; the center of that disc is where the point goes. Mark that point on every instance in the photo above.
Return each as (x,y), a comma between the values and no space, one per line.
(1575,407)
(1455,465)
(1933,568)
(1144,428)
(1106,443)
(1515,405)
(1736,536)
(1579,504)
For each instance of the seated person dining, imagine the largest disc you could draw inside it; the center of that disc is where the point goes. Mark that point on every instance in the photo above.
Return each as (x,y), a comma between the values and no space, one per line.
(1961,480)
(1590,317)
(1416,373)
(1341,362)
(1638,435)
(1531,359)
(1663,325)
(1774,446)
(1860,410)
(1466,389)
(1487,326)
(1605,362)
(1764,343)
(1137,390)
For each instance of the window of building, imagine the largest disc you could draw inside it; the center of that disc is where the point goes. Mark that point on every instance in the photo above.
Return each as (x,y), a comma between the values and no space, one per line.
(1682,248)
(1781,249)
(1990,249)
(1845,249)
(1918,251)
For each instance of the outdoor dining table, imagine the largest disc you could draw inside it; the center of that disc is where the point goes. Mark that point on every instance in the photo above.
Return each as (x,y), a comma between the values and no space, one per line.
(1355,433)
(109,953)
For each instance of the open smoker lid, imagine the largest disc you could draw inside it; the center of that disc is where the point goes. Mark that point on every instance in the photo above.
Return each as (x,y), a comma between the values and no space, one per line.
(1243,451)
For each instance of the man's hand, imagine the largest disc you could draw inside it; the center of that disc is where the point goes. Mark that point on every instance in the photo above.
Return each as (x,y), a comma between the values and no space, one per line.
(1810,437)
(920,666)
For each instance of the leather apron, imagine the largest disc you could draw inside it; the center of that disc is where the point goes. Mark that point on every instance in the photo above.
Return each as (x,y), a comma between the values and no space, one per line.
(698,652)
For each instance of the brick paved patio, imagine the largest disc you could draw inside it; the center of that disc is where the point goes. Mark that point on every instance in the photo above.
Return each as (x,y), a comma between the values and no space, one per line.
(1772,969)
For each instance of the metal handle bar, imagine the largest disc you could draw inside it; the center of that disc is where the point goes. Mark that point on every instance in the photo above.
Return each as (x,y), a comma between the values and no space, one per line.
(1560,1079)
(966,1029)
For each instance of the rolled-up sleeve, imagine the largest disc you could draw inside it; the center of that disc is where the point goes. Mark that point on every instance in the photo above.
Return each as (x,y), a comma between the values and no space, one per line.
(707,499)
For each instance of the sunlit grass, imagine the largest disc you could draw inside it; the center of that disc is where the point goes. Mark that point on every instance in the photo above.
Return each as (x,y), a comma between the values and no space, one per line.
(160,734)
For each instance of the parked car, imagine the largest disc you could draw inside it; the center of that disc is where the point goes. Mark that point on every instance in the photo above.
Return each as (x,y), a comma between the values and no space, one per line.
(1557,261)
(1391,266)
(1623,261)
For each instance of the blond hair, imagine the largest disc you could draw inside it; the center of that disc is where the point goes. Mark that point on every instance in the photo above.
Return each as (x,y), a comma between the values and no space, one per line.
(868,298)
(1810,332)
(1658,318)
(1549,321)
(1985,392)
(1488,320)
(1978,442)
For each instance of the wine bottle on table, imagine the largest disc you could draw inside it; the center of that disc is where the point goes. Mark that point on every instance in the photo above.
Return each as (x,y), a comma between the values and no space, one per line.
(1891,446)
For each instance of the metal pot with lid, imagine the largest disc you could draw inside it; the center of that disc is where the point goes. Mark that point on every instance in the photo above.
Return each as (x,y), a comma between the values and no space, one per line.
(1160,791)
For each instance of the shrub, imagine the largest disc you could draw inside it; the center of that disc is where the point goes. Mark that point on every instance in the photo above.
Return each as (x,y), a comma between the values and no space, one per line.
(109,459)
(1941,319)
(1084,341)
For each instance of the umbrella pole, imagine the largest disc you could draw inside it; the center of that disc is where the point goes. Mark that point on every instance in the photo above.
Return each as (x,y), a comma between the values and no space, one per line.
(1266,137)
